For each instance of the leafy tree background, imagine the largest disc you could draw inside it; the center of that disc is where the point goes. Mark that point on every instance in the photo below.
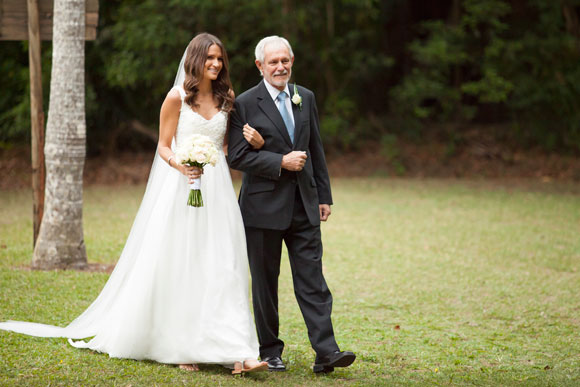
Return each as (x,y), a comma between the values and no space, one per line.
(382,70)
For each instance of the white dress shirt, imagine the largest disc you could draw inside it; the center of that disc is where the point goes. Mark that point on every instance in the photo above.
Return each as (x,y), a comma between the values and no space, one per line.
(274,94)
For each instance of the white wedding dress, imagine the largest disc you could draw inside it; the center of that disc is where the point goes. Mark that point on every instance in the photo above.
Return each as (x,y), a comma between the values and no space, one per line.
(179,292)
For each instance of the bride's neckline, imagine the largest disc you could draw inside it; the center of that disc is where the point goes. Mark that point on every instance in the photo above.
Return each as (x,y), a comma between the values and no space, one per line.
(205,119)
(199,114)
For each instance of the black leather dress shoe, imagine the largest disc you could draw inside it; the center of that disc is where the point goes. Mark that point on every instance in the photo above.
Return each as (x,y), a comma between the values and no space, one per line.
(327,363)
(275,363)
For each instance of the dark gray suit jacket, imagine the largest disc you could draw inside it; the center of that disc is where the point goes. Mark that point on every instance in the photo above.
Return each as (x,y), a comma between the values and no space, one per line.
(268,193)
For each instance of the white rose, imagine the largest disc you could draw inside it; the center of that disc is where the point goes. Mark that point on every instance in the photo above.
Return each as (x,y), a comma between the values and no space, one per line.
(296,99)
(213,160)
(200,157)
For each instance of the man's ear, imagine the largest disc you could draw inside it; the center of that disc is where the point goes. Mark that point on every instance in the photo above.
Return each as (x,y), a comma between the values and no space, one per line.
(259,66)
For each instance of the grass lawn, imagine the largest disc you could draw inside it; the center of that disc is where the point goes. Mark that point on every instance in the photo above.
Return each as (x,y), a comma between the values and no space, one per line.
(434,281)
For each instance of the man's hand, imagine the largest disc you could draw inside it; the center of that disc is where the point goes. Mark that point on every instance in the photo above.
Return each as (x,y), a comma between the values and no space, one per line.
(294,161)
(253,137)
(324,211)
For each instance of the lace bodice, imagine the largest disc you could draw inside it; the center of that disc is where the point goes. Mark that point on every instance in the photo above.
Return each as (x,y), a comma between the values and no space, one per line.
(191,122)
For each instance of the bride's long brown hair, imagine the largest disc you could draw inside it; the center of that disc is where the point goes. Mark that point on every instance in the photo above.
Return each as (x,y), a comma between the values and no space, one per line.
(194,69)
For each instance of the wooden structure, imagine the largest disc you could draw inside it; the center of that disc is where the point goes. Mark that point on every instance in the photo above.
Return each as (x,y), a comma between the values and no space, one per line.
(14,19)
(32,20)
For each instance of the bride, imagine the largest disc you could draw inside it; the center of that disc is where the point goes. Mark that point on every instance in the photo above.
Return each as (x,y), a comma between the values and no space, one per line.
(179,292)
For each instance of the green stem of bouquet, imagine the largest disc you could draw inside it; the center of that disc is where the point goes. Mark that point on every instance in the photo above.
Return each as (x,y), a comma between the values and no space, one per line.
(195,199)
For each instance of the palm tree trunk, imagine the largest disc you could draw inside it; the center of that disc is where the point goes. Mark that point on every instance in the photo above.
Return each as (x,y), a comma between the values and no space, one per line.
(60,243)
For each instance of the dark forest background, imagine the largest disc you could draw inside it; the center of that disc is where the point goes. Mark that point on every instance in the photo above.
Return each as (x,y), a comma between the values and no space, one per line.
(383,71)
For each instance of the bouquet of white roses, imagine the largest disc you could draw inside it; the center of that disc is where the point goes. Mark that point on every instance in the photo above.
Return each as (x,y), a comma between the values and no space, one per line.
(196,151)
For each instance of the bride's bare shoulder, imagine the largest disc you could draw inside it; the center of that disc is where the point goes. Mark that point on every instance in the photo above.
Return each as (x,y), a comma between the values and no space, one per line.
(173,99)
(173,95)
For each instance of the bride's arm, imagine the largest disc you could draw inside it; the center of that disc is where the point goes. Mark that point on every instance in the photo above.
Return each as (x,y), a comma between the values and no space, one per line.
(252,136)
(167,126)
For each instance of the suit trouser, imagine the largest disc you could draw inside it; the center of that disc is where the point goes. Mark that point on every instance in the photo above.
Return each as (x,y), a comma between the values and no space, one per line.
(314,298)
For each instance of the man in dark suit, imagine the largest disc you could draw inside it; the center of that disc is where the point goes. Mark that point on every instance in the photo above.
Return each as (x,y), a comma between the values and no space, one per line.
(285,194)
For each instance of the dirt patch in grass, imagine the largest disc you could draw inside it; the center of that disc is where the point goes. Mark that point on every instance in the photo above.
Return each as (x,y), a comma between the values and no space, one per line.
(90,267)
(472,160)
(475,156)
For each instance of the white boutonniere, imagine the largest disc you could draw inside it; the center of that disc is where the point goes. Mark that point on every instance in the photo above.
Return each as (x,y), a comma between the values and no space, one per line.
(296,98)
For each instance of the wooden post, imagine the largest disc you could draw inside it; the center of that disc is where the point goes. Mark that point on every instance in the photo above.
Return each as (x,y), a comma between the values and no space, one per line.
(36,117)
(32,20)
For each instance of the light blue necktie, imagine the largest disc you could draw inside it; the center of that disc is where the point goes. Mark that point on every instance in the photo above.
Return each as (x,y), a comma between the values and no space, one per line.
(285,115)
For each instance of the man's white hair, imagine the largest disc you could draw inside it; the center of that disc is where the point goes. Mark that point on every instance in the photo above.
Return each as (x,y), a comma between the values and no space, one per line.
(268,40)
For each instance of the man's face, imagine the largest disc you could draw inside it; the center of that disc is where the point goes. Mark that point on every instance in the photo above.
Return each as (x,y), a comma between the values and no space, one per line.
(277,66)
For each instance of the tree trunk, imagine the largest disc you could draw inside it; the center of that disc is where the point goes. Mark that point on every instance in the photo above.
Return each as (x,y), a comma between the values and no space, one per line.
(454,20)
(60,242)
(329,72)
(286,20)
(572,22)
(455,13)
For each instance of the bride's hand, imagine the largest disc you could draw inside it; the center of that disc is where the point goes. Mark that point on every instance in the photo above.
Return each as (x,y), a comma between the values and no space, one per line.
(253,137)
(191,173)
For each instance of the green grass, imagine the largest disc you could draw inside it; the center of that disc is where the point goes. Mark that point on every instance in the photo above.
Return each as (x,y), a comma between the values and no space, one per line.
(481,278)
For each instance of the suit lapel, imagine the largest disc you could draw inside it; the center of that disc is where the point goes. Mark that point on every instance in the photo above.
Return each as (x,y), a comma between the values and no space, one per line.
(269,108)
(297,115)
